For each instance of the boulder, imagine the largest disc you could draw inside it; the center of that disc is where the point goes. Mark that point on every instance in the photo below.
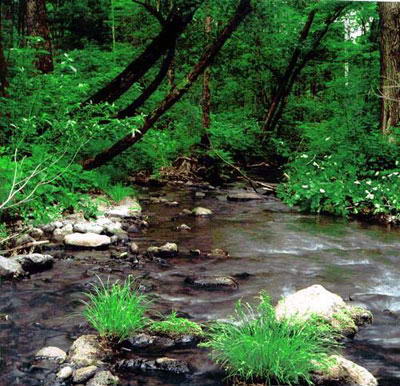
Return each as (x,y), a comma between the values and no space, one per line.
(87,240)
(84,373)
(86,351)
(201,212)
(103,378)
(345,372)
(149,343)
(183,228)
(128,208)
(164,364)
(10,268)
(114,228)
(168,250)
(88,227)
(134,248)
(36,233)
(34,262)
(317,301)
(60,233)
(244,196)
(51,353)
(218,252)
(212,282)
(24,239)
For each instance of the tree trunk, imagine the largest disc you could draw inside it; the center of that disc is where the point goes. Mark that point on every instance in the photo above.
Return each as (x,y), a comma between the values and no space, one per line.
(206,59)
(206,97)
(296,64)
(390,65)
(3,65)
(36,26)
(165,40)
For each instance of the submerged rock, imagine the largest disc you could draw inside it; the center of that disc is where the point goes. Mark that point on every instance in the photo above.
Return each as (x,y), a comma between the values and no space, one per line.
(212,282)
(36,233)
(149,342)
(34,262)
(218,252)
(86,351)
(345,372)
(316,300)
(183,228)
(199,211)
(244,196)
(134,248)
(84,373)
(51,353)
(65,372)
(60,233)
(168,250)
(165,364)
(10,268)
(103,378)
(87,240)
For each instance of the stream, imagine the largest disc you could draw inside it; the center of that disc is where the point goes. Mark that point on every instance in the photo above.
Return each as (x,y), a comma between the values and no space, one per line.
(272,248)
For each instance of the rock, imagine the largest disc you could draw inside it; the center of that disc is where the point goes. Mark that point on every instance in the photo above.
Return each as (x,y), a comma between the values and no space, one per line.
(152,250)
(345,372)
(316,300)
(172,203)
(128,208)
(244,196)
(36,233)
(133,229)
(183,227)
(87,240)
(51,353)
(185,212)
(48,228)
(24,239)
(58,224)
(168,250)
(218,252)
(86,351)
(34,262)
(149,342)
(103,378)
(88,227)
(65,372)
(10,268)
(199,195)
(60,233)
(195,252)
(84,373)
(212,282)
(134,248)
(187,341)
(144,224)
(114,239)
(170,365)
(199,211)
(114,228)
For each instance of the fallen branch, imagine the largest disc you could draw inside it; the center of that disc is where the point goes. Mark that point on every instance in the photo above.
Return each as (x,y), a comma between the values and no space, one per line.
(28,245)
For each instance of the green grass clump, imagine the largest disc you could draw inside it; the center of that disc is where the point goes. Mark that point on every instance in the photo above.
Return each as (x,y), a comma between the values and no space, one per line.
(116,310)
(118,192)
(174,326)
(255,346)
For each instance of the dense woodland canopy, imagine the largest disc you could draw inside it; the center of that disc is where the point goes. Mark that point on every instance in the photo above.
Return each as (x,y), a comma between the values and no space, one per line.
(95,91)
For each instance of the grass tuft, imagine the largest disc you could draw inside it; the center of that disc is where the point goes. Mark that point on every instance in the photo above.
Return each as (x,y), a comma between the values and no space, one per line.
(118,192)
(174,326)
(255,346)
(116,310)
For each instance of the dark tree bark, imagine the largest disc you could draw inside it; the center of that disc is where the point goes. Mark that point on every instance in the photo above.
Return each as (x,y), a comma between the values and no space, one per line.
(297,62)
(206,97)
(244,8)
(171,30)
(390,65)
(36,26)
(3,65)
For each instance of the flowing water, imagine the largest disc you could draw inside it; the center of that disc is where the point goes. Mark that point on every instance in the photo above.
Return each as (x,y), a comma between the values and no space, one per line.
(271,248)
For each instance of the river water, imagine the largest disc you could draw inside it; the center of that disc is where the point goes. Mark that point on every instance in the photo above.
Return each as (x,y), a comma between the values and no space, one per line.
(272,248)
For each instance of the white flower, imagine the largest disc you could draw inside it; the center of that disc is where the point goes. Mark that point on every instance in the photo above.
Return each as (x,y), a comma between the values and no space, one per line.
(369,195)
(377,173)
(327,138)
(357,182)
(368,182)
(322,190)
(304,156)
(304,186)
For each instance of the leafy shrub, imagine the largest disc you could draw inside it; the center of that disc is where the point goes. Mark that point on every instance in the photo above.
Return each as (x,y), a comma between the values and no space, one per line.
(255,346)
(174,325)
(118,192)
(116,310)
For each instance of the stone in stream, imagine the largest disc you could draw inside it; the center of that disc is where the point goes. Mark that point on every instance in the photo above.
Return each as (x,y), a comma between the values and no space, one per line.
(114,228)
(10,268)
(87,240)
(149,342)
(168,250)
(244,196)
(103,378)
(51,353)
(212,282)
(183,228)
(218,252)
(201,212)
(65,372)
(127,208)
(34,262)
(60,233)
(84,374)
(86,351)
(88,227)
(164,364)
(36,233)
(134,248)
(24,239)
(316,300)
(344,372)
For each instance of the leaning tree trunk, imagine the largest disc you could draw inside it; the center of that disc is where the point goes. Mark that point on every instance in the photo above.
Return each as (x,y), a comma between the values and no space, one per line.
(36,26)
(390,65)
(244,8)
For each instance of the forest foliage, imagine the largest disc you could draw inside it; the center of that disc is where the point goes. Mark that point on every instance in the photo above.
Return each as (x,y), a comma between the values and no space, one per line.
(319,62)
